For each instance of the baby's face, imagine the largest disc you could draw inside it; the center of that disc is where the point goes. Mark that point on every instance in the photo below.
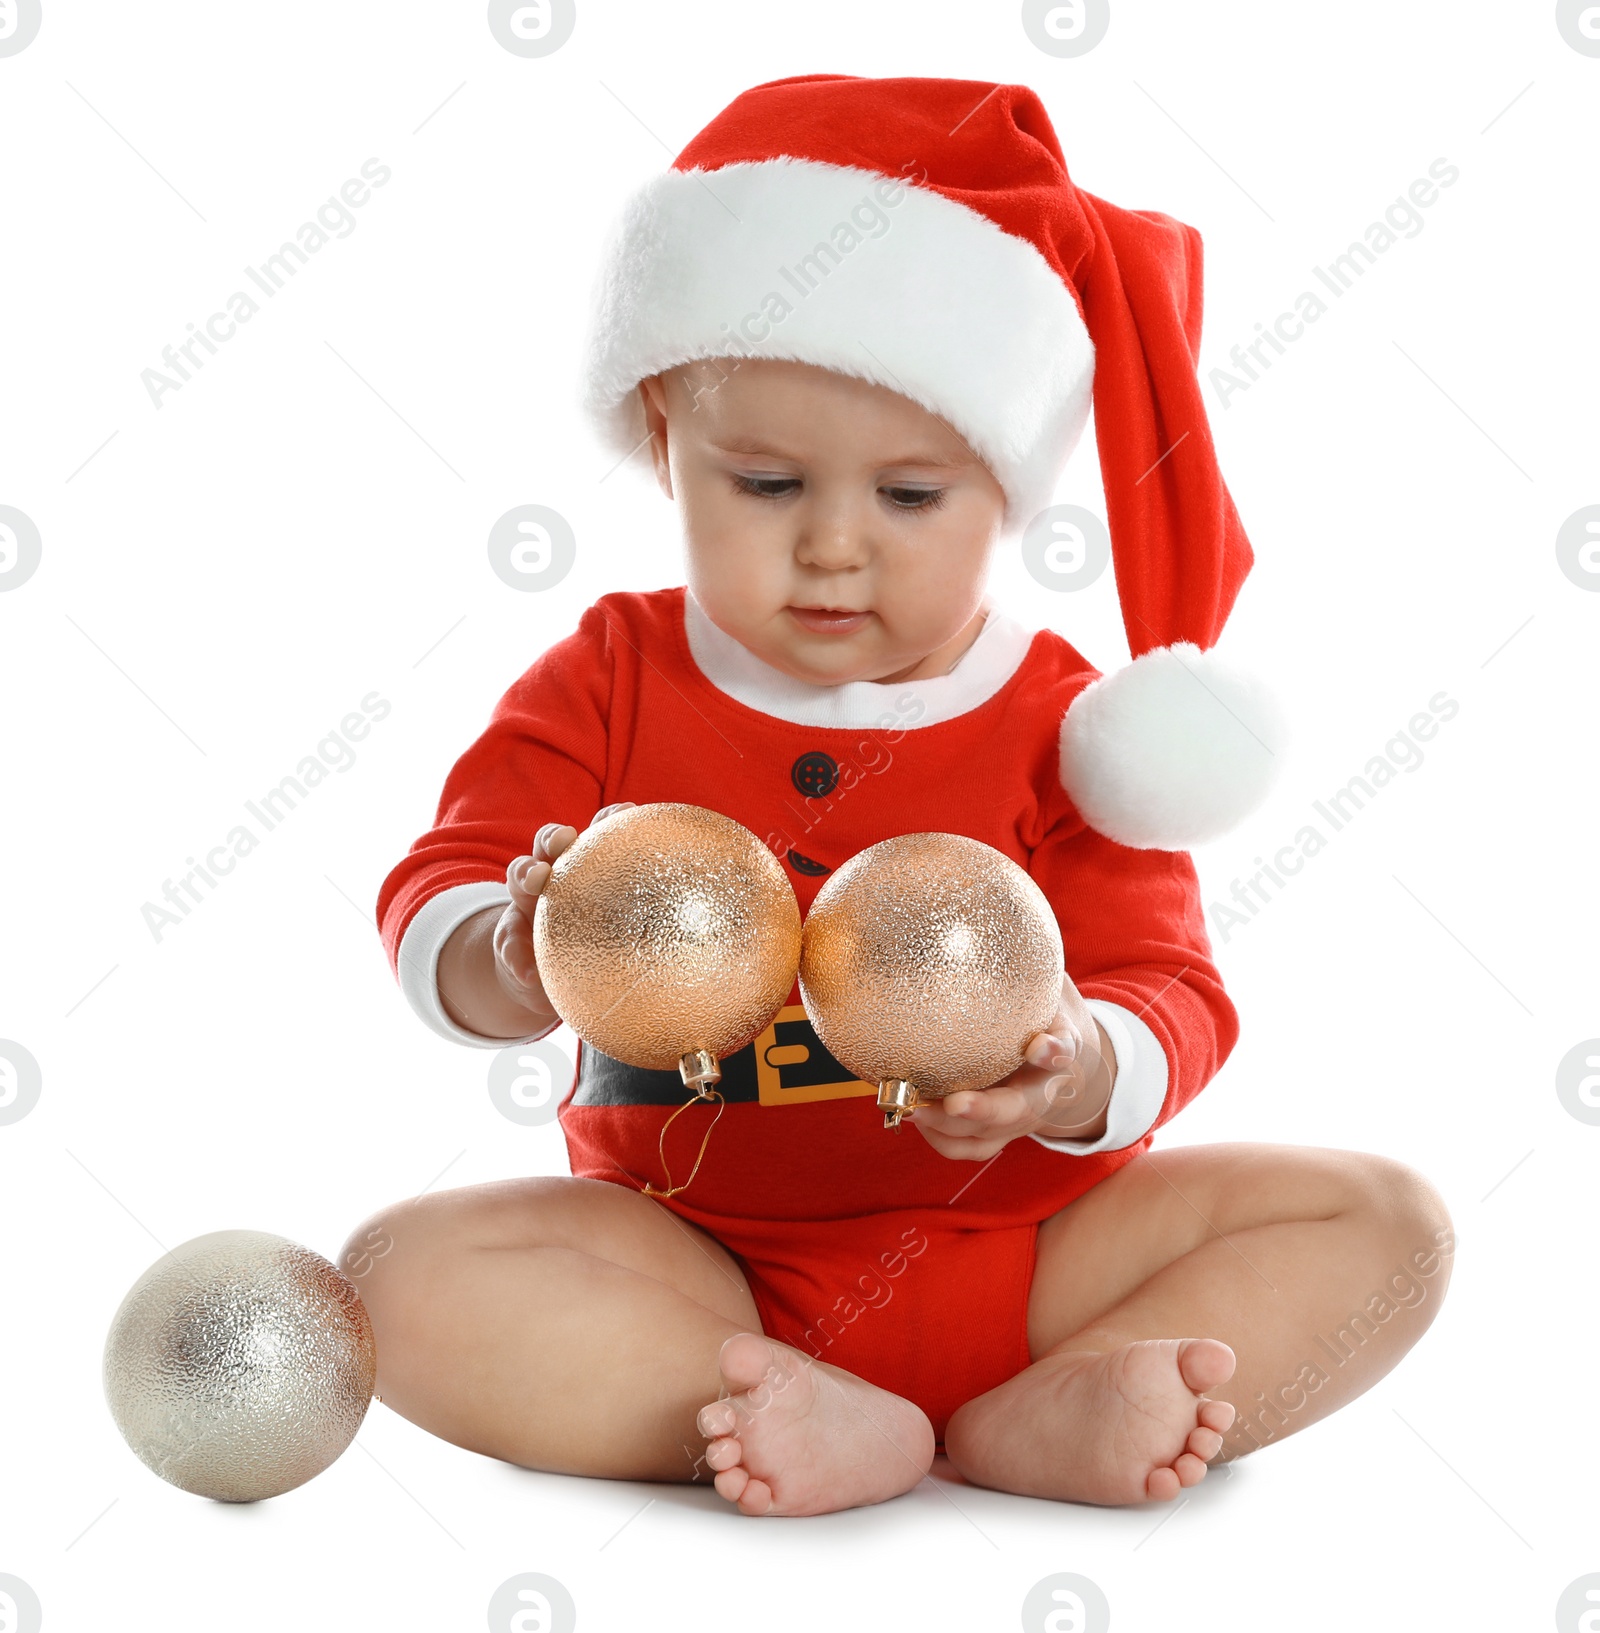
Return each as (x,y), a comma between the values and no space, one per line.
(835,528)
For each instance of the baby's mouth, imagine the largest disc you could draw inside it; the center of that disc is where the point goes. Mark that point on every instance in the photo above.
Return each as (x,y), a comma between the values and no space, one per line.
(829,620)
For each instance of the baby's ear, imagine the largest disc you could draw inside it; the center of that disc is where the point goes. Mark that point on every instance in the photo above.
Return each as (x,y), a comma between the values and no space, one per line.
(653,398)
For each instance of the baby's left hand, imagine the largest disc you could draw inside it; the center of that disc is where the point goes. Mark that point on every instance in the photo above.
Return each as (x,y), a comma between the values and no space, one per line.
(1061,1087)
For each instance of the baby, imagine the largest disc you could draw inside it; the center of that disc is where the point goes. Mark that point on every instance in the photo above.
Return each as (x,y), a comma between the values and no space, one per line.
(793,1303)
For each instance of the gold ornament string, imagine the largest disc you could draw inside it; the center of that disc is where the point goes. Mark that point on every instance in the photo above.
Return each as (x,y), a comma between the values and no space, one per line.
(702,1091)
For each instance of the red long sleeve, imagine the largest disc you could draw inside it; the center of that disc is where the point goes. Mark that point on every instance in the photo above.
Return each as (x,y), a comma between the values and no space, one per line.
(542,758)
(1143,946)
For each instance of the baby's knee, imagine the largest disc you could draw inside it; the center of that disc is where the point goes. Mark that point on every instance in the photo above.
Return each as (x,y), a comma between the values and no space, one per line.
(368,1256)
(1406,1205)
(409,1243)
(402,1242)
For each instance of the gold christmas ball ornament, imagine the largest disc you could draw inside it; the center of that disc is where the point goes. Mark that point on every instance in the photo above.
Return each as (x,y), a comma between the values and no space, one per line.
(927,964)
(240,1365)
(668,936)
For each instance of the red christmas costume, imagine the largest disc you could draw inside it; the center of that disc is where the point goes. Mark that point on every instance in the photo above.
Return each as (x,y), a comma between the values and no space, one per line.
(863,1247)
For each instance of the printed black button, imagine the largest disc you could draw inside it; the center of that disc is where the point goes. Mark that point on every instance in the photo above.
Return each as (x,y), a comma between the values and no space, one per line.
(804,864)
(815,774)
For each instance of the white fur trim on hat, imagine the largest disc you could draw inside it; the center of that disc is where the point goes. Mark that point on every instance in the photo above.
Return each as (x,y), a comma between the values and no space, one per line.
(1171,751)
(857,272)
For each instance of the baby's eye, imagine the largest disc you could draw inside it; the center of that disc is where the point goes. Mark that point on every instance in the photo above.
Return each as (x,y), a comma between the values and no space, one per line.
(915,498)
(780,487)
(767,487)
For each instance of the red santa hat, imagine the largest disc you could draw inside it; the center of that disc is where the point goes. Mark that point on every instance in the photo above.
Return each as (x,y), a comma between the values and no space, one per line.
(924,234)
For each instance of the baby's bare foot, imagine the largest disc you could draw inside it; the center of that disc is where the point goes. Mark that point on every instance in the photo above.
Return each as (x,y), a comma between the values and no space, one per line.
(1099,1428)
(796,1436)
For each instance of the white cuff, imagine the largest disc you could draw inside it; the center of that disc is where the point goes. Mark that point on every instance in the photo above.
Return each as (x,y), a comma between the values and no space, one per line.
(1140,1089)
(430,928)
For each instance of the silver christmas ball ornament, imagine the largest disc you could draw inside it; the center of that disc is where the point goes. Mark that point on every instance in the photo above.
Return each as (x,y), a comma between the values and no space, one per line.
(240,1365)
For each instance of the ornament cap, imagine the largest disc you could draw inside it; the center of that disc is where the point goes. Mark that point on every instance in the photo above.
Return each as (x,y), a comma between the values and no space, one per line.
(699,1070)
(895,1098)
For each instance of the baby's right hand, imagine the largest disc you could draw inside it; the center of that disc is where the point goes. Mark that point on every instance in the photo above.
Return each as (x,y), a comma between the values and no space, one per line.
(526,878)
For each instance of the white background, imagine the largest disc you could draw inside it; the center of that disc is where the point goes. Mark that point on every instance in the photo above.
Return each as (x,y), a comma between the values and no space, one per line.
(304,523)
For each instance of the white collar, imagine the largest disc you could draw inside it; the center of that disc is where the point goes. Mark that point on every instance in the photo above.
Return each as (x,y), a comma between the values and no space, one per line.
(979,673)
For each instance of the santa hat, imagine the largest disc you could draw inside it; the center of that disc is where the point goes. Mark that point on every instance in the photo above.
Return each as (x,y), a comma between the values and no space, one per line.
(924,234)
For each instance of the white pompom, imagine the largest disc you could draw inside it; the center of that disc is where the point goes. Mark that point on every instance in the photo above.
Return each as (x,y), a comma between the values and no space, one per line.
(1171,751)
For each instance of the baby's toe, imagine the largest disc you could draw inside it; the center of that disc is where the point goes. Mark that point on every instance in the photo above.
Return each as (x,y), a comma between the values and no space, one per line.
(756,1498)
(1205,1444)
(1162,1485)
(744,1360)
(719,1418)
(1204,1363)
(1189,1469)
(730,1483)
(1218,1415)
(724,1454)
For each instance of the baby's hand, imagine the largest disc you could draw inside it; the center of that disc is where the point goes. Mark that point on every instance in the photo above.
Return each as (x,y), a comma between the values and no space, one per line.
(1061,1088)
(526,877)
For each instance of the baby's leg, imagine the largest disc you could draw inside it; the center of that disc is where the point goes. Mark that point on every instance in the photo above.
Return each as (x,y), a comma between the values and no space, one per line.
(1205,1301)
(576,1326)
